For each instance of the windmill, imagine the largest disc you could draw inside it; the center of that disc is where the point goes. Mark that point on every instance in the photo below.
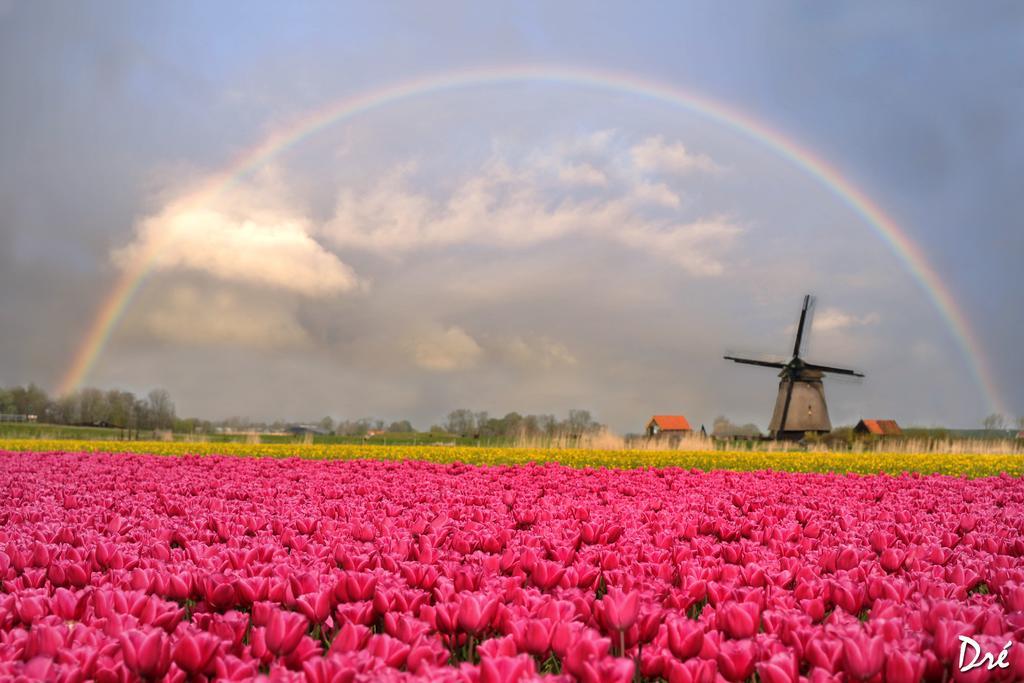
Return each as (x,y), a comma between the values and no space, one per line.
(800,406)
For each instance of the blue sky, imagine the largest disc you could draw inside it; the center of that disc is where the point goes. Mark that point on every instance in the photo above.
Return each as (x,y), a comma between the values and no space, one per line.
(590,272)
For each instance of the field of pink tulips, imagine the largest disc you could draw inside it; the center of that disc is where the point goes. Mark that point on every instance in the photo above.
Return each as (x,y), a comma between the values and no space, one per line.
(128,567)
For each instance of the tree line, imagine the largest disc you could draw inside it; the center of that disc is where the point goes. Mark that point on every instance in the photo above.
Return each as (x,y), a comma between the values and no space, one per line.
(156,411)
(92,407)
(465,422)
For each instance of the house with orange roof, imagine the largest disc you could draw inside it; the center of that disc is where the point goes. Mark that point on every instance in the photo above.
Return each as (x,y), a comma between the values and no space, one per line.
(878,428)
(668,425)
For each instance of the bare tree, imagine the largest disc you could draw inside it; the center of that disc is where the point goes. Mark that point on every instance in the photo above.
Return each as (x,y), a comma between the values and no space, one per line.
(161,409)
(461,421)
(994,422)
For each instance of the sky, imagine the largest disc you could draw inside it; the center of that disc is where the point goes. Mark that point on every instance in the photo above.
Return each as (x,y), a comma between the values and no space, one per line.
(529,244)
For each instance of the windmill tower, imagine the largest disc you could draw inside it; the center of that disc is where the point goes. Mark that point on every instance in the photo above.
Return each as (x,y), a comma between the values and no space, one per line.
(800,405)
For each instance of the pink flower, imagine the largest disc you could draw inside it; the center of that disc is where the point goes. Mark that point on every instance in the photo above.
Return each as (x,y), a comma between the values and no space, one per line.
(195,653)
(825,653)
(506,669)
(391,651)
(903,667)
(146,654)
(476,613)
(781,668)
(547,574)
(316,606)
(532,635)
(329,670)
(356,586)
(739,619)
(498,647)
(219,591)
(864,656)
(619,609)
(685,638)
(284,631)
(736,659)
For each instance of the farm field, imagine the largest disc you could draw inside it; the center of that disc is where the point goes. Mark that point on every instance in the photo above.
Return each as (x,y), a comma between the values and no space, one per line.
(54,432)
(335,567)
(959,464)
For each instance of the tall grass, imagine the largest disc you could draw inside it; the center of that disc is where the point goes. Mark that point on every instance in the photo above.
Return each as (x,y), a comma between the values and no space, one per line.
(605,440)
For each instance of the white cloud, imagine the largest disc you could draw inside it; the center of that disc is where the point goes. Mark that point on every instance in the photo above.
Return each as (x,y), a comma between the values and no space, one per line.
(444,350)
(831,319)
(582,174)
(692,246)
(656,193)
(539,353)
(189,317)
(510,205)
(656,155)
(247,235)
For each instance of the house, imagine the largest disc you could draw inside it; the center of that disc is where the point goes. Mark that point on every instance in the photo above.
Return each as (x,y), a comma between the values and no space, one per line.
(302,430)
(667,424)
(878,428)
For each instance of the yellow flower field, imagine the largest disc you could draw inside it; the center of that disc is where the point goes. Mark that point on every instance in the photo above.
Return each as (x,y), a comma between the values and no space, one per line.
(971,465)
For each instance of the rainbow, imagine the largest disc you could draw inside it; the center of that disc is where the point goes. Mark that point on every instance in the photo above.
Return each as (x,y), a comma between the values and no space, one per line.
(906,250)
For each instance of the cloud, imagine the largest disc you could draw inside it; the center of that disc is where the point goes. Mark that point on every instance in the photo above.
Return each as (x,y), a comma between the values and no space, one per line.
(654,154)
(248,235)
(691,246)
(582,174)
(189,317)
(537,353)
(445,350)
(656,193)
(508,204)
(831,319)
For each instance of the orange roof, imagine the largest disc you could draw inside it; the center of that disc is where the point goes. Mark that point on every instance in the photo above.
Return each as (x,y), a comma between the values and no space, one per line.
(882,427)
(671,423)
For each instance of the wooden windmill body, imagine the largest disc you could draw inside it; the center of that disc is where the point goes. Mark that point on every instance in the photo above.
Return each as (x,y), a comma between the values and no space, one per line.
(800,406)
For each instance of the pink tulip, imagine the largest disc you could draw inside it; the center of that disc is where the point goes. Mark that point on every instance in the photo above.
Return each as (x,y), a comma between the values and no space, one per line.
(316,606)
(350,638)
(547,574)
(903,667)
(739,619)
(619,609)
(219,592)
(476,613)
(357,586)
(532,636)
(146,654)
(825,653)
(498,647)
(391,651)
(68,605)
(330,670)
(781,668)
(736,659)
(195,653)
(864,656)
(284,631)
(506,669)
(685,638)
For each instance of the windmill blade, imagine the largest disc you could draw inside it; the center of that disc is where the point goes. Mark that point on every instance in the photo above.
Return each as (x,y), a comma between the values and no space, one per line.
(750,361)
(800,327)
(834,371)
